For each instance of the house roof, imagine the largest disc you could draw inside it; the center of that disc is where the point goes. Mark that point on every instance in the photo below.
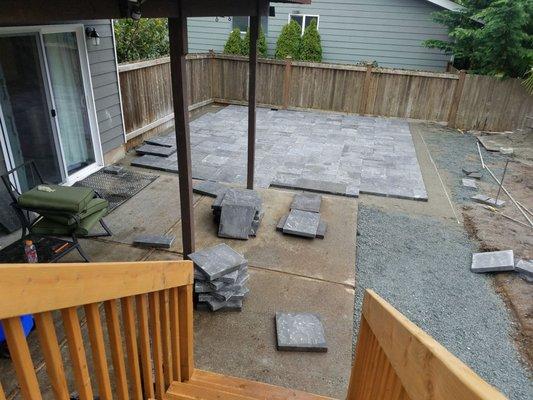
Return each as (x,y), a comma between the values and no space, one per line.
(447,4)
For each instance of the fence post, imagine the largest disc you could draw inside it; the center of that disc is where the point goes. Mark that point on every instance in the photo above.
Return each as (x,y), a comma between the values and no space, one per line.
(287,82)
(457,94)
(212,72)
(363,103)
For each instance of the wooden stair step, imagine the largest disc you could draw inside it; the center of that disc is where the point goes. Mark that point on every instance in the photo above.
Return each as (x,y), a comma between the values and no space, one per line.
(209,385)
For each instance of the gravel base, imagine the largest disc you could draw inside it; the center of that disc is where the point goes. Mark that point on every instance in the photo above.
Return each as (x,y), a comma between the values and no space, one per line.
(452,150)
(421,266)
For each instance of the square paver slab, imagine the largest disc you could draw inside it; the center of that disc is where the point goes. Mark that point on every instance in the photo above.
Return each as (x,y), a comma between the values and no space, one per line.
(493,261)
(217,261)
(155,150)
(236,221)
(481,198)
(160,241)
(300,332)
(165,141)
(525,268)
(321,230)
(469,183)
(306,202)
(209,188)
(302,223)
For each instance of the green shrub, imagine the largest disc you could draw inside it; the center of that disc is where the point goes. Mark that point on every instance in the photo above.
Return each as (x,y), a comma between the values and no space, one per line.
(288,43)
(234,43)
(141,40)
(261,44)
(310,48)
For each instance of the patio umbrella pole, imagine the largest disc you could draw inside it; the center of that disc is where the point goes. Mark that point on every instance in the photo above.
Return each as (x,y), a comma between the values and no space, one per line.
(177,29)
(252,72)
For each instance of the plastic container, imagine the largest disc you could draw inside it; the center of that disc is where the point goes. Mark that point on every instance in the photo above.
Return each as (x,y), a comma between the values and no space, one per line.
(30,252)
(27,324)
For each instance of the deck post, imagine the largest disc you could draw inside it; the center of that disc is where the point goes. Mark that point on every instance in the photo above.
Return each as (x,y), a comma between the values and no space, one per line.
(177,29)
(252,72)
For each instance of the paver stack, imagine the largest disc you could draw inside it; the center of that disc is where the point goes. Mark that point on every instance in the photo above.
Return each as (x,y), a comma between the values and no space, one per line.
(220,277)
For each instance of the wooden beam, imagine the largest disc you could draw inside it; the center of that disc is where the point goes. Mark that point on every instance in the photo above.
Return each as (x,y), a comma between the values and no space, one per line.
(177,28)
(30,289)
(252,78)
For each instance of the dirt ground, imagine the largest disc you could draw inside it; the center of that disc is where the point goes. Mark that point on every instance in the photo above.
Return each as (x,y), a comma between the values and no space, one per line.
(495,232)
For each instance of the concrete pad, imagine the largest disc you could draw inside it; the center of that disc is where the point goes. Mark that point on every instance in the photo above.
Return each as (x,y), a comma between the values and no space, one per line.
(250,350)
(493,261)
(154,210)
(330,259)
(100,251)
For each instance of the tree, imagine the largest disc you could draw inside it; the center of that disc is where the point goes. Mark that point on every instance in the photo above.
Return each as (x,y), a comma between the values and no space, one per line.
(261,44)
(141,40)
(310,47)
(489,36)
(289,40)
(234,42)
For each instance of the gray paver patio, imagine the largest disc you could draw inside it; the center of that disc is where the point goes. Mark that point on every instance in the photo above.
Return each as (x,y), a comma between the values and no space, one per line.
(322,152)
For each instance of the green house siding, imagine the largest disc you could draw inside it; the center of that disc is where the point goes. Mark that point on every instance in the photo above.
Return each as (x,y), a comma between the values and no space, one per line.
(390,32)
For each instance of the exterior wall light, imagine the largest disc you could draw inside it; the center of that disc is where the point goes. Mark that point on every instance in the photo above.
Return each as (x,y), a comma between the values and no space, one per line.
(93,35)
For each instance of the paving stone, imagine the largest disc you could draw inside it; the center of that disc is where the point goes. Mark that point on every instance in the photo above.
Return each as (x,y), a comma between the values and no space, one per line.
(256,223)
(114,170)
(209,188)
(236,221)
(469,183)
(470,170)
(494,261)
(300,332)
(483,199)
(224,294)
(302,223)
(321,230)
(217,261)
(243,197)
(231,277)
(281,223)
(475,175)
(215,305)
(155,150)
(525,269)
(165,141)
(306,202)
(202,287)
(159,241)
(240,294)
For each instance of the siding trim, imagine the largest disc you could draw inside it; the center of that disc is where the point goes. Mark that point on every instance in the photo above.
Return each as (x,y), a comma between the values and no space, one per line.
(118,81)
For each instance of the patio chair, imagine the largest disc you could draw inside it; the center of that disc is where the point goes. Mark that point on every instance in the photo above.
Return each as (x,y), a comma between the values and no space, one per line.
(49,210)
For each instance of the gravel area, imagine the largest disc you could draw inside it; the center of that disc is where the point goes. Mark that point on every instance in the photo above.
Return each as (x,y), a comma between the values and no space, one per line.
(404,259)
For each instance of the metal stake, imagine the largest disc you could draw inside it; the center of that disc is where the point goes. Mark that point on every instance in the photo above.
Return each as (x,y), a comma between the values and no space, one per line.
(501,182)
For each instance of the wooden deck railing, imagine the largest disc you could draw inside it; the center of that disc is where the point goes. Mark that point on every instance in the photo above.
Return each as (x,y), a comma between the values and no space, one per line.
(155,302)
(148,311)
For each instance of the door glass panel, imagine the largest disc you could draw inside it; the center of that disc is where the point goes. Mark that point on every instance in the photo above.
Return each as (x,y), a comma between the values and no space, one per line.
(67,86)
(27,127)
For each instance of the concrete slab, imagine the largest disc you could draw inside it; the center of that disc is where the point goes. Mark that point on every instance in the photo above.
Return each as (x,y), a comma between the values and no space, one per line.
(483,199)
(493,261)
(155,150)
(469,183)
(525,269)
(250,350)
(209,188)
(100,251)
(236,221)
(216,261)
(302,223)
(331,259)
(306,202)
(300,332)
(161,241)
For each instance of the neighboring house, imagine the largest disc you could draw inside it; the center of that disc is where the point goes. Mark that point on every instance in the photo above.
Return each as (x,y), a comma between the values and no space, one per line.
(390,32)
(60,99)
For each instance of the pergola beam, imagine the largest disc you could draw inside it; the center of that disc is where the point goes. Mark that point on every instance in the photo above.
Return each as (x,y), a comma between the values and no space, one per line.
(177,28)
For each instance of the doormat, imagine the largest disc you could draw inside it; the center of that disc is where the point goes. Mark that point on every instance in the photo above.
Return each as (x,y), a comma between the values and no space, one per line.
(117,189)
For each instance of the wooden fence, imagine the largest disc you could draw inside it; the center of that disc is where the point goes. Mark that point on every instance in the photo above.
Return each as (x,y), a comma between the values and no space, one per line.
(460,100)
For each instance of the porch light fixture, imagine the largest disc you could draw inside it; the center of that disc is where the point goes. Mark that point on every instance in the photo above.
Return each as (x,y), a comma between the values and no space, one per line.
(93,35)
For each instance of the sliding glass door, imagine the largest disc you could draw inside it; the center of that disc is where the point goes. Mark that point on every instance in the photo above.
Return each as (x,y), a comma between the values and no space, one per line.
(46,109)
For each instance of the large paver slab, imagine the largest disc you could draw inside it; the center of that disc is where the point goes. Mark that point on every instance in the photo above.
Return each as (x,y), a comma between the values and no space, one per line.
(306,202)
(244,344)
(216,261)
(155,150)
(300,332)
(331,259)
(525,268)
(493,261)
(209,188)
(236,221)
(302,223)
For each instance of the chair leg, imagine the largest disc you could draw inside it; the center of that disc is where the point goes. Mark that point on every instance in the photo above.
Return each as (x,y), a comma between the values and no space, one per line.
(80,250)
(106,228)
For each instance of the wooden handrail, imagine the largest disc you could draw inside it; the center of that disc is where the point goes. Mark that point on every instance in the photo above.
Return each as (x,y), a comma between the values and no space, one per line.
(26,289)
(395,359)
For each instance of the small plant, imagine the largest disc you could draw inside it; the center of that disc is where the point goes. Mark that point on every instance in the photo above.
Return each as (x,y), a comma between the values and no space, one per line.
(289,40)
(528,81)
(310,47)
(261,44)
(234,43)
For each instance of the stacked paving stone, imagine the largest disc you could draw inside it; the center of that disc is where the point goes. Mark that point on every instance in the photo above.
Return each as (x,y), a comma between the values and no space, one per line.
(304,217)
(220,277)
(238,213)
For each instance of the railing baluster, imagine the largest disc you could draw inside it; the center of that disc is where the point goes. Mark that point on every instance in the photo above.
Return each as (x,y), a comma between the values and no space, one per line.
(144,337)
(77,352)
(155,327)
(20,355)
(2,394)
(186,332)
(128,319)
(96,338)
(175,333)
(165,328)
(44,323)
(117,353)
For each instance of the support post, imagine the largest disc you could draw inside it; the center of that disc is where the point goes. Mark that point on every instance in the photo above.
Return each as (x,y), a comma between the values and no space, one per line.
(177,29)
(287,82)
(456,99)
(363,103)
(252,72)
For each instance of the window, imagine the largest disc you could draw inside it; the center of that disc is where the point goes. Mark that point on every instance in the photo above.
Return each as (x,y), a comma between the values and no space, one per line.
(242,24)
(304,20)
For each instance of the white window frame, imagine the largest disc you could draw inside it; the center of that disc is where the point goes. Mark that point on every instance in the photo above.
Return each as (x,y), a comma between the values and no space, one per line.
(304,16)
